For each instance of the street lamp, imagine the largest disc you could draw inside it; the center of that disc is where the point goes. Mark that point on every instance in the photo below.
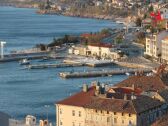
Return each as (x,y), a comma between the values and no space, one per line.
(2,46)
(47,106)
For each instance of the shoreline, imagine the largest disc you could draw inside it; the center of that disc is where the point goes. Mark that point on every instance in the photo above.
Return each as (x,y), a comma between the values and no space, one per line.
(118,20)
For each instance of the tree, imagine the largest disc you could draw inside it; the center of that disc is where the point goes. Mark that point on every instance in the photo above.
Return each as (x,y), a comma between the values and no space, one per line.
(119,39)
(150,9)
(42,47)
(138,22)
(105,32)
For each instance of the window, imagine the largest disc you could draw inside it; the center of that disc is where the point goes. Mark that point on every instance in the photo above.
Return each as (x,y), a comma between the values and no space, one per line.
(73,124)
(115,113)
(101,111)
(107,112)
(96,110)
(130,122)
(115,120)
(60,122)
(129,115)
(108,119)
(73,112)
(122,114)
(60,111)
(79,113)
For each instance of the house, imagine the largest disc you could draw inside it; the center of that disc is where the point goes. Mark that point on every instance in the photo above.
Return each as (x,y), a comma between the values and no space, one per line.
(165,50)
(96,50)
(164,12)
(145,83)
(154,44)
(100,106)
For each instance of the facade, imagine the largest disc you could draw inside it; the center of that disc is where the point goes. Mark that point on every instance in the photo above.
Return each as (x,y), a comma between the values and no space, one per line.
(165,49)
(164,12)
(95,51)
(100,105)
(153,44)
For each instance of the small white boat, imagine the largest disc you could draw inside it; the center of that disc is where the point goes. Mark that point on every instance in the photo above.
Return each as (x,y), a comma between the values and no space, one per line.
(24,62)
(128,74)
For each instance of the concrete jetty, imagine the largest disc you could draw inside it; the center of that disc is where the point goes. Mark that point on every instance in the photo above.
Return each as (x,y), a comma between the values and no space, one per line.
(101,73)
(43,66)
(90,62)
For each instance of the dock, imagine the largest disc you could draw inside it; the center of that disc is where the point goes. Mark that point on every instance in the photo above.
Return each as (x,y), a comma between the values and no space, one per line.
(90,62)
(62,65)
(101,73)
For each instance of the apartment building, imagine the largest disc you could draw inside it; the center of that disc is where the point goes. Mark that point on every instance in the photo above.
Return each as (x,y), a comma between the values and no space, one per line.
(100,105)
(154,44)
(165,50)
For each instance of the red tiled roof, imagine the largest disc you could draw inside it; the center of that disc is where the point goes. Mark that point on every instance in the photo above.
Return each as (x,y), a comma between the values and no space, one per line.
(86,35)
(143,82)
(127,90)
(114,104)
(137,105)
(79,99)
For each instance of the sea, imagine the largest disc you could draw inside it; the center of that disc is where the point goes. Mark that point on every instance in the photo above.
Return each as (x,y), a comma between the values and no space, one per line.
(28,92)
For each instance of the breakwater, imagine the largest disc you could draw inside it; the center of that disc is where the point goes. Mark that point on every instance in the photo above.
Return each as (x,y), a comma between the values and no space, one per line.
(101,73)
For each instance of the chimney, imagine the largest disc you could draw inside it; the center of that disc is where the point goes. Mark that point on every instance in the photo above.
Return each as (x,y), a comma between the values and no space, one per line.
(133,87)
(85,88)
(125,96)
(133,96)
(102,89)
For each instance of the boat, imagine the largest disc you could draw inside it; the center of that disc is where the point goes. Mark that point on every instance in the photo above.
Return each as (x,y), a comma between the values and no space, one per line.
(24,62)
(128,74)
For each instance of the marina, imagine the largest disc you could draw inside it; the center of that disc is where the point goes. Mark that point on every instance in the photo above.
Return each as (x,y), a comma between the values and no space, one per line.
(25,91)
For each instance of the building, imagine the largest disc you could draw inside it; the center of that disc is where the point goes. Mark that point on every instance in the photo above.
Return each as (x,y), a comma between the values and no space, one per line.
(165,50)
(164,12)
(145,83)
(100,105)
(153,44)
(97,51)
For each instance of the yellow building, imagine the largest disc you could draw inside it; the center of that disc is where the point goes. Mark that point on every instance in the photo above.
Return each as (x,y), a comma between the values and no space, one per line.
(99,105)
(165,49)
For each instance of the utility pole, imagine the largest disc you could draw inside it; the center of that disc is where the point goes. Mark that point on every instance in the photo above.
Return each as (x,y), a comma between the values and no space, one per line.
(2,51)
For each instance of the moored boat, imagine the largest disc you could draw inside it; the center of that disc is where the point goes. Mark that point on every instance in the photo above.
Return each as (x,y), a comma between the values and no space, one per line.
(24,62)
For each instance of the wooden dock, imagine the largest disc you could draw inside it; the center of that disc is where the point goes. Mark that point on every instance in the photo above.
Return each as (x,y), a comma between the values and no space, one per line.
(43,66)
(101,73)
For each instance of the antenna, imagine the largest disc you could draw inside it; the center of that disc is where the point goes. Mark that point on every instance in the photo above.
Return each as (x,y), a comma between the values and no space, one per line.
(2,51)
